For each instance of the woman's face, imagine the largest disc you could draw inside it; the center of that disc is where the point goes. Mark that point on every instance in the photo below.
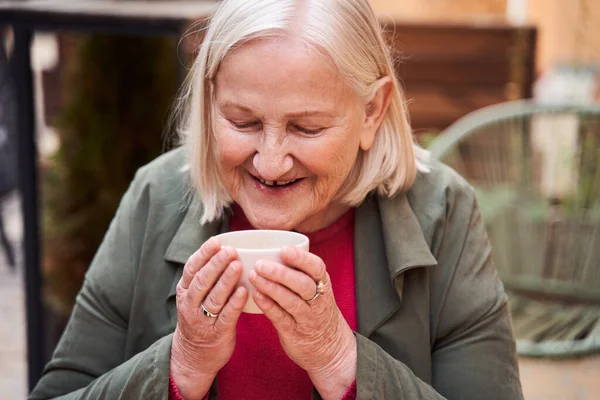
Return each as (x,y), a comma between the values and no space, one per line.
(288,131)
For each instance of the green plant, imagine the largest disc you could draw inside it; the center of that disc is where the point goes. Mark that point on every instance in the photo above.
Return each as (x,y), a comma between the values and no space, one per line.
(118,93)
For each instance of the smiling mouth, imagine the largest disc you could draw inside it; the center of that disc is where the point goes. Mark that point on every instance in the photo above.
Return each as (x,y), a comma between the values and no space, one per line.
(277,183)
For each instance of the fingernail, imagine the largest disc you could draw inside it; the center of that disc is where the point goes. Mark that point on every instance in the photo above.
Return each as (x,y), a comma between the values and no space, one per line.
(259,295)
(252,275)
(261,267)
(288,251)
(257,279)
(214,242)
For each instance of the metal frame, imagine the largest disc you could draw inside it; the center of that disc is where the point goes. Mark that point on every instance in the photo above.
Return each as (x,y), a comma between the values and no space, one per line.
(473,122)
(24,23)
(28,181)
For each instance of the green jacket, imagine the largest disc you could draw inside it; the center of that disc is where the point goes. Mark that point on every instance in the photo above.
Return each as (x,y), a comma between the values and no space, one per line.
(433,320)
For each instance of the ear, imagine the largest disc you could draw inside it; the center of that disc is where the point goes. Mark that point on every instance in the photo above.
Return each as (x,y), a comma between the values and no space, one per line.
(375,109)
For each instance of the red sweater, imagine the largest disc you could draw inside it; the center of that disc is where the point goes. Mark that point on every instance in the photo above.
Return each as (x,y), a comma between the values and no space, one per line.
(259,367)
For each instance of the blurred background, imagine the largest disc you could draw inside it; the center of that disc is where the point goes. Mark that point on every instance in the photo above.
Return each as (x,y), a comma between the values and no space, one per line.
(505,91)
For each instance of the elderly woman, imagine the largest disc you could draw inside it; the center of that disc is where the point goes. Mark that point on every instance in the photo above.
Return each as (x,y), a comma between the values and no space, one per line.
(293,120)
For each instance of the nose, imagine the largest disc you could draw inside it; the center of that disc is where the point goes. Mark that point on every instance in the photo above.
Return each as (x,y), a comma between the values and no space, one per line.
(272,160)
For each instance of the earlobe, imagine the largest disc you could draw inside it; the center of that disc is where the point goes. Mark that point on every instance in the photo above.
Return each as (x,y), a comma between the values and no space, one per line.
(375,110)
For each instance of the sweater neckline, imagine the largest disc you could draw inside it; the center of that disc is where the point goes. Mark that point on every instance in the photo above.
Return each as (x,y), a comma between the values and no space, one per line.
(239,220)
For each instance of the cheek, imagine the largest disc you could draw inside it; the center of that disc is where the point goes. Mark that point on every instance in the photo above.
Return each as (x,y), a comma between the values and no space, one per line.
(331,161)
(233,148)
(334,158)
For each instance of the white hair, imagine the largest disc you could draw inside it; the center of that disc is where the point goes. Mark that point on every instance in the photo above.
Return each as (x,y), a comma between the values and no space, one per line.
(347,31)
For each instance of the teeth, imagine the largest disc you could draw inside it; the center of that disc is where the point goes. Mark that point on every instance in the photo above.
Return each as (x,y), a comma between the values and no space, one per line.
(281,183)
(275,183)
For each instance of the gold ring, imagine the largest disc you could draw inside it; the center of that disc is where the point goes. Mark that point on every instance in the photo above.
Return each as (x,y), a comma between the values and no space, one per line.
(320,291)
(208,313)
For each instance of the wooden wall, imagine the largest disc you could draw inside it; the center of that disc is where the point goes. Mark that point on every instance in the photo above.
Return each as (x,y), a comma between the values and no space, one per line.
(449,70)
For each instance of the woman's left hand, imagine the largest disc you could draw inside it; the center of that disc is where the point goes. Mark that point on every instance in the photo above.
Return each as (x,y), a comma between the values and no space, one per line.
(314,334)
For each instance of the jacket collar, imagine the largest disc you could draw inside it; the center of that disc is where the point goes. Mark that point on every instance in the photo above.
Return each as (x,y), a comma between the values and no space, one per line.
(388,240)
(191,233)
(187,239)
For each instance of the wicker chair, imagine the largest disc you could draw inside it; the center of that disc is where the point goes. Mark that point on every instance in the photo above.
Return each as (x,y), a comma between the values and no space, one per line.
(536,171)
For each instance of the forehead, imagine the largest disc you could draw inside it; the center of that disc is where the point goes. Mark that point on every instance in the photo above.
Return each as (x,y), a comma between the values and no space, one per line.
(280,68)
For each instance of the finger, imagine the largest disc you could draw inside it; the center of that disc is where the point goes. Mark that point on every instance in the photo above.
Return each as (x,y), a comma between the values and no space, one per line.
(295,280)
(208,275)
(198,260)
(217,297)
(280,319)
(232,310)
(284,297)
(304,261)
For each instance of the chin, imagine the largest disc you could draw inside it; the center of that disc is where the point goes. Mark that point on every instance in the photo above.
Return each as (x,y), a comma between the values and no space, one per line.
(261,217)
(280,224)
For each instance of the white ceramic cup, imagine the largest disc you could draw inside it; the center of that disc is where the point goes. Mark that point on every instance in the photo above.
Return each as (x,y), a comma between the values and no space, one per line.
(254,245)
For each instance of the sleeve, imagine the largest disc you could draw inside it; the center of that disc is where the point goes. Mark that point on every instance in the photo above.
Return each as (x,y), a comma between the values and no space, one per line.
(89,361)
(174,392)
(351,393)
(473,354)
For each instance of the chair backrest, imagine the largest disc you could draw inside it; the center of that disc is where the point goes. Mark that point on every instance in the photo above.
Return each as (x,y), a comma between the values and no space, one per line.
(536,169)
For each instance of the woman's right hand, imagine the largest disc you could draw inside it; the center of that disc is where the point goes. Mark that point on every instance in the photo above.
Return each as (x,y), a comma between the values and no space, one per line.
(202,345)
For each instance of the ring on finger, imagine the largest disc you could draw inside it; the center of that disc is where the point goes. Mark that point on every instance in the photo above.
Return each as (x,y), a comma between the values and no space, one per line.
(208,313)
(319,292)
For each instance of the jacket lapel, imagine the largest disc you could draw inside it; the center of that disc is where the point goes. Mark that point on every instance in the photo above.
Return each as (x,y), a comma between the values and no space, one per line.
(191,234)
(188,238)
(388,240)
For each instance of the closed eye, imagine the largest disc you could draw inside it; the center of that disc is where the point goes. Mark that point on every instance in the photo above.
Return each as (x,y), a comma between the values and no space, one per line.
(245,125)
(307,131)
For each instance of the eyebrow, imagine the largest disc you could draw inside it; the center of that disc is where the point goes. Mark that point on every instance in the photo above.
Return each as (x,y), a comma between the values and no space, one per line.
(297,114)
